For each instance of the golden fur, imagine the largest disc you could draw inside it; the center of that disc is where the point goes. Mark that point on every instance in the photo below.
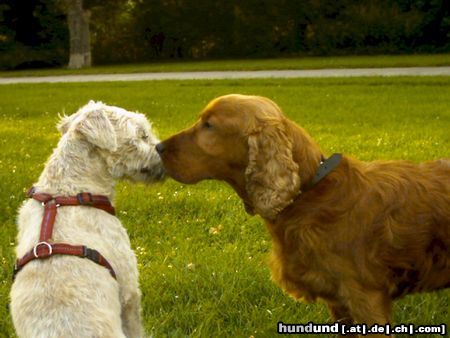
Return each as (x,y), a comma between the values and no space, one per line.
(364,235)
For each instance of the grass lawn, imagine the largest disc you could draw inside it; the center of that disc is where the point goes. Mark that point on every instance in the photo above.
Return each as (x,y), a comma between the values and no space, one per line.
(202,259)
(249,64)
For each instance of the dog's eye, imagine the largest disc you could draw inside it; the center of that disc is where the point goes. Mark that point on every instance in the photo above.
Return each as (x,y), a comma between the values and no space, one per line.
(145,137)
(207,125)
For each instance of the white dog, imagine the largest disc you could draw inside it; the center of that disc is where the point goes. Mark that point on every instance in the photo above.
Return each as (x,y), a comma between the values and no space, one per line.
(68,296)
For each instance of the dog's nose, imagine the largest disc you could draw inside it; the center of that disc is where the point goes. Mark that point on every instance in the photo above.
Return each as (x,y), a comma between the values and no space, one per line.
(160,147)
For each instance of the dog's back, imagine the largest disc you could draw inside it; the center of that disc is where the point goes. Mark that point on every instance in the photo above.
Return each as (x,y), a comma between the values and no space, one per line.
(415,219)
(58,297)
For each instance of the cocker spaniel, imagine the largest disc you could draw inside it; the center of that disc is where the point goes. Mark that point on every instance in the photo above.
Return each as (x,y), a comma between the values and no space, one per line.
(354,234)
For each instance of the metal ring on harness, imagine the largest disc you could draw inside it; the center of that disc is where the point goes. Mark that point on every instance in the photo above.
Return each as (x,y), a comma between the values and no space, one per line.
(50,249)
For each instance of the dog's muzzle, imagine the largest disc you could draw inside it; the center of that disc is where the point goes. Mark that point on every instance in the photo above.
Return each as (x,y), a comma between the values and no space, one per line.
(160,148)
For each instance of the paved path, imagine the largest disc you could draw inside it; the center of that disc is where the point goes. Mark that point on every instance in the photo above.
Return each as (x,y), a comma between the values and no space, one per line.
(316,73)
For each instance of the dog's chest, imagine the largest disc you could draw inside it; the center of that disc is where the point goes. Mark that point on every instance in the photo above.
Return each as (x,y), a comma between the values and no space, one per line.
(300,275)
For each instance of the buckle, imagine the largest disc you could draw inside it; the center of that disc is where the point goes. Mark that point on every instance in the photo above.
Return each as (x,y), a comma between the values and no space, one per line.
(81,197)
(91,254)
(50,250)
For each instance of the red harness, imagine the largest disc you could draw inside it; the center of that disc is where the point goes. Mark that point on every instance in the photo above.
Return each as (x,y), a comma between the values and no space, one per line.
(45,248)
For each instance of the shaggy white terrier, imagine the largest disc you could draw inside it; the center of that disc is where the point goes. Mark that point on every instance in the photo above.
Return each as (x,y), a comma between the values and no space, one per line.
(67,296)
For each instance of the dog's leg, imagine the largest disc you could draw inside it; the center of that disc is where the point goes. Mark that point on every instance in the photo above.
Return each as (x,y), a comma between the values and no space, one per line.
(131,316)
(369,307)
(340,313)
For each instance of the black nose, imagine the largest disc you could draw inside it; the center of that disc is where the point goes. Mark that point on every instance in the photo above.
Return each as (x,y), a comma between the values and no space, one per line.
(160,147)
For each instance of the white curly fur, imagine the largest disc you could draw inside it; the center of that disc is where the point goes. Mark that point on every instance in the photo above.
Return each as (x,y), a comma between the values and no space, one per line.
(67,296)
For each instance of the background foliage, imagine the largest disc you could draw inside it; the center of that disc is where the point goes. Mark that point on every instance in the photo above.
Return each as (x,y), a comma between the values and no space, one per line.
(34,32)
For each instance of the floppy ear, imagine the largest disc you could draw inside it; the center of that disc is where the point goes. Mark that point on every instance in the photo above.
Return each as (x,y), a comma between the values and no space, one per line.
(272,179)
(97,129)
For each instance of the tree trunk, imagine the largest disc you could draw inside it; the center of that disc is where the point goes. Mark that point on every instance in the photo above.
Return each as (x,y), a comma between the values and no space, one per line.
(80,43)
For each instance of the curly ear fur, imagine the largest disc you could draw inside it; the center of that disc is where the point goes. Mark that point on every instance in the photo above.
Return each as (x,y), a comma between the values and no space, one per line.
(272,179)
(66,121)
(95,126)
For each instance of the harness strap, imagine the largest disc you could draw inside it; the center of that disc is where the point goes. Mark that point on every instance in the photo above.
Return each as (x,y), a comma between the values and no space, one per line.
(44,249)
(48,220)
(84,198)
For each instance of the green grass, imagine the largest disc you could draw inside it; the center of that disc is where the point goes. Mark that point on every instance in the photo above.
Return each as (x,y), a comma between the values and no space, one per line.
(194,282)
(252,64)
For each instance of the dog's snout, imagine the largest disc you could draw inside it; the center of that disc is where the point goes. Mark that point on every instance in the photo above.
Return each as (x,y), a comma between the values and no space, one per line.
(160,147)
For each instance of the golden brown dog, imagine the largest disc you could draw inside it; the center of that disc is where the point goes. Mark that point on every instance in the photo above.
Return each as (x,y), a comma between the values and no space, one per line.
(365,234)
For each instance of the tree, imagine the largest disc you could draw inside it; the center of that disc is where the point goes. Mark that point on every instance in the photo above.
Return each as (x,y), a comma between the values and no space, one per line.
(33,34)
(80,42)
